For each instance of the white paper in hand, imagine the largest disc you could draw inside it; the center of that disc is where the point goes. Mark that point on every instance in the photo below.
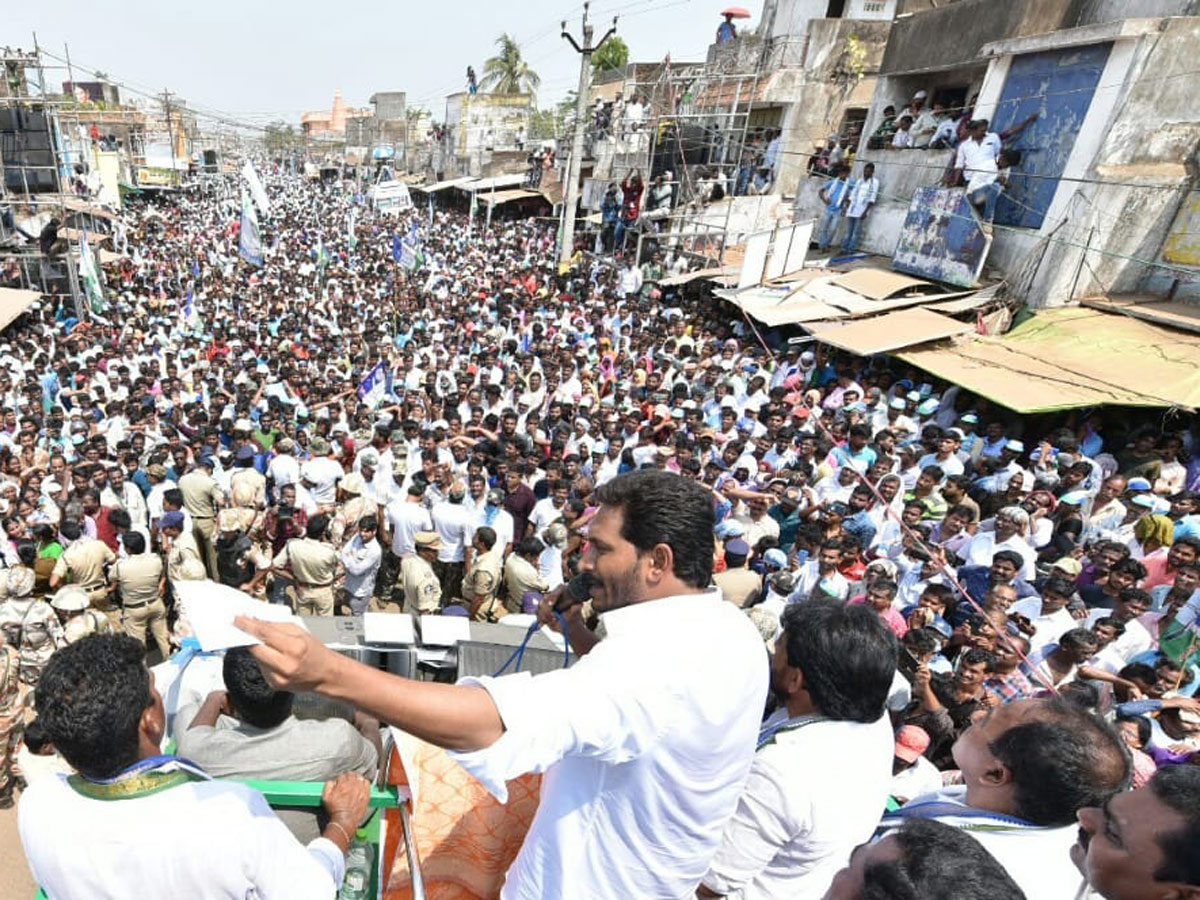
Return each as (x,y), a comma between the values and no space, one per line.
(210,608)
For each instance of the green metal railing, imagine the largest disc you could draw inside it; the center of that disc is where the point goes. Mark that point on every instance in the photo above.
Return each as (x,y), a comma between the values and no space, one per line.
(307,794)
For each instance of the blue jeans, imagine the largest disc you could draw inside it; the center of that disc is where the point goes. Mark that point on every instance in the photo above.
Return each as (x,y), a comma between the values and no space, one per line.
(619,234)
(827,230)
(853,228)
(987,196)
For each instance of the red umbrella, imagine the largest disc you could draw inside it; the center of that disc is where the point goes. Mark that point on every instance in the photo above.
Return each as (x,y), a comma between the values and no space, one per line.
(737,12)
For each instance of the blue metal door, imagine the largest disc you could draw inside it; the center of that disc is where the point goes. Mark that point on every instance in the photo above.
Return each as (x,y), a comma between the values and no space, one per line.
(1058,86)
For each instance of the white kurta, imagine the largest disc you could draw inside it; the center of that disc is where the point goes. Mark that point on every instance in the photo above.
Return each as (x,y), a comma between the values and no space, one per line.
(645,743)
(210,839)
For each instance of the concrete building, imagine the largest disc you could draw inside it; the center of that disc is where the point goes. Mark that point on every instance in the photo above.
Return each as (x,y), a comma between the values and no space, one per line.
(480,125)
(1104,198)
(391,122)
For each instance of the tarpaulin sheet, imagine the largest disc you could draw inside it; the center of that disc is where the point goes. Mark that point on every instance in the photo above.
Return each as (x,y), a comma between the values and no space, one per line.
(1073,357)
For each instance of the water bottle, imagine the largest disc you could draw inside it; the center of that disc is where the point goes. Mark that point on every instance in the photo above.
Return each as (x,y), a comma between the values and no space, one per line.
(357,883)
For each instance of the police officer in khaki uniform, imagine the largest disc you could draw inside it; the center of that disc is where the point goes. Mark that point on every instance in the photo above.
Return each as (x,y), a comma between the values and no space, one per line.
(738,584)
(78,621)
(12,718)
(353,507)
(140,582)
(178,548)
(82,564)
(422,591)
(202,497)
(483,578)
(314,567)
(247,487)
(521,574)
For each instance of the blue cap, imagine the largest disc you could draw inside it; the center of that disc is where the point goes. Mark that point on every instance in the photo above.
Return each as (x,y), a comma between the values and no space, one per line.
(1138,484)
(172,519)
(775,558)
(245,453)
(737,547)
(730,528)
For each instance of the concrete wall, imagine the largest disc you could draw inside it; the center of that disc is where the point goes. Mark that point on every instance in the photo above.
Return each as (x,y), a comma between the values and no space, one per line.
(1148,143)
(479,122)
(792,16)
(1091,12)
(952,35)
(843,56)
(389,105)
(1141,138)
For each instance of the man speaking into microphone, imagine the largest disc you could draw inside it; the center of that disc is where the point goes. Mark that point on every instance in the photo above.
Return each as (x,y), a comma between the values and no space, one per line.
(644,742)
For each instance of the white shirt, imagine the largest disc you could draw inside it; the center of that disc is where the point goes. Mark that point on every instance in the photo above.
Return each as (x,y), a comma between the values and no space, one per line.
(543,515)
(453,522)
(362,562)
(283,469)
(502,523)
(949,467)
(978,163)
(1137,637)
(1037,859)
(809,576)
(550,566)
(645,743)
(1049,628)
(405,520)
(211,839)
(922,777)
(324,472)
(794,829)
(981,548)
(864,194)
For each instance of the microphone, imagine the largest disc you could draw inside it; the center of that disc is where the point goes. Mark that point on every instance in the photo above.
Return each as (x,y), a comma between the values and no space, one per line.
(578,589)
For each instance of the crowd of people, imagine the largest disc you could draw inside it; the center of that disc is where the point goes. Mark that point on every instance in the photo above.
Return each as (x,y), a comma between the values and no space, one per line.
(981,623)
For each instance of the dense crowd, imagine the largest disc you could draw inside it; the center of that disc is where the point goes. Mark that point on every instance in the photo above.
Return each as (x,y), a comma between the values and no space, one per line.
(352,427)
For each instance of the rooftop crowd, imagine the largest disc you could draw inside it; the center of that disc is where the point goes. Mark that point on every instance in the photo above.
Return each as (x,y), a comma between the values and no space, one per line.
(965,633)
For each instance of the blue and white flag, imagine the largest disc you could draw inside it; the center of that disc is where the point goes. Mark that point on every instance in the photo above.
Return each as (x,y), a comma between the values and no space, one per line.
(189,308)
(256,188)
(411,256)
(351,237)
(374,386)
(397,248)
(249,240)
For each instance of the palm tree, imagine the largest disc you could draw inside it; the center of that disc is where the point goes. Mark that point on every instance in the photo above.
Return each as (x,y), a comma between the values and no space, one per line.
(507,72)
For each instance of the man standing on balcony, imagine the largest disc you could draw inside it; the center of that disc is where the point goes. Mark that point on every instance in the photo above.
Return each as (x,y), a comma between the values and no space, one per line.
(863,195)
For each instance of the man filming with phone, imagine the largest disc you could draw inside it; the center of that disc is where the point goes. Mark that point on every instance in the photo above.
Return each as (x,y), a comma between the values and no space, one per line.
(649,734)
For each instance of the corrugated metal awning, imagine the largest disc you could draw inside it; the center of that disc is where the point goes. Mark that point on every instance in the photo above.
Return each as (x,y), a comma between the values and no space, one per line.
(13,302)
(495,183)
(508,196)
(1070,358)
(441,185)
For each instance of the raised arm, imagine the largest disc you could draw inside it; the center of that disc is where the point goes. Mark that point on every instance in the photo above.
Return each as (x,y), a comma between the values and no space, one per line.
(450,716)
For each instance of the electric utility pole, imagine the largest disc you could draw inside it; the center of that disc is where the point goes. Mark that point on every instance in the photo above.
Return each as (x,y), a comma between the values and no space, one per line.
(575,160)
(166,101)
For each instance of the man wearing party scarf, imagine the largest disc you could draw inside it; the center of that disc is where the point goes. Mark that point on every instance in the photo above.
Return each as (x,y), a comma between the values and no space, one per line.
(133,822)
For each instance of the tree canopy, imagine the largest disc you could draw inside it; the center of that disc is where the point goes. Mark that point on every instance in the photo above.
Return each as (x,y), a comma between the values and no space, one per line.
(507,72)
(613,54)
